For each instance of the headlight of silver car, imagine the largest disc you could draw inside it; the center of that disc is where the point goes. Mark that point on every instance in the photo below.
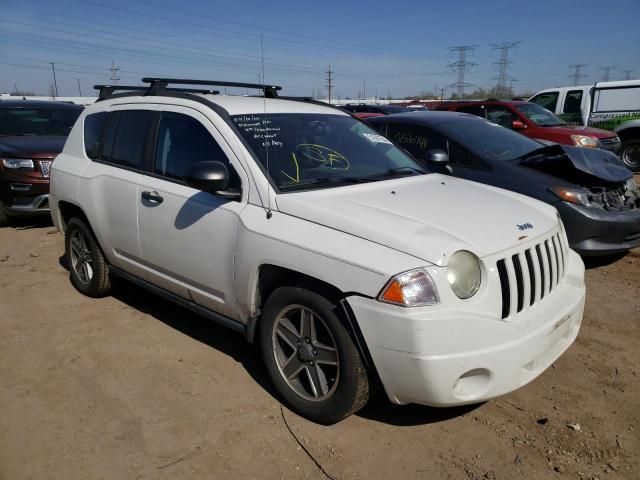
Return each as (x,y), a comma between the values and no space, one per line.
(16,163)
(632,186)
(463,274)
(414,288)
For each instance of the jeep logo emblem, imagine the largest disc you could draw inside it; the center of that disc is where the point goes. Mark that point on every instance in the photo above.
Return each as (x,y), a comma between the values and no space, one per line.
(524,226)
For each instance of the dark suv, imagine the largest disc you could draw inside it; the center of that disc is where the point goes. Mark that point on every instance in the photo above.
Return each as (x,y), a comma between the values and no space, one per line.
(32,133)
(536,122)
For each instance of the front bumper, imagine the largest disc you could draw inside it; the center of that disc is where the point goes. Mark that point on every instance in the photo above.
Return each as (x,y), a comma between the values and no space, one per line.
(599,232)
(23,196)
(449,357)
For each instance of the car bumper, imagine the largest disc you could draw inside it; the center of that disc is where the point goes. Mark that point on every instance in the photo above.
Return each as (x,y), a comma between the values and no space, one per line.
(594,232)
(22,197)
(448,358)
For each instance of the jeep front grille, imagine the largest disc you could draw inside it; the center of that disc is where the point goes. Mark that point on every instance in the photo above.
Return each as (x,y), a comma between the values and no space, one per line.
(528,276)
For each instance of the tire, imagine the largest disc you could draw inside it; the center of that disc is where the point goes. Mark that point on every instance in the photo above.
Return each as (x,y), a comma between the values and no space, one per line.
(88,268)
(338,389)
(630,154)
(4,218)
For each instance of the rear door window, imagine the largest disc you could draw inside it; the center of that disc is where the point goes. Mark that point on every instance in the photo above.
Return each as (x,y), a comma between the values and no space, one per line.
(548,100)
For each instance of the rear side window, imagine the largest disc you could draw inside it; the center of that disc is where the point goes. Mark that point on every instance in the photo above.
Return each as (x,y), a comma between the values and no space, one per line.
(93,126)
(476,110)
(183,141)
(127,137)
(573,101)
(617,99)
(548,100)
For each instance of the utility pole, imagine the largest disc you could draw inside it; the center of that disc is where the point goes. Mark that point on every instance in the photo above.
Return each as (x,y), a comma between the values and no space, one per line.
(503,64)
(461,67)
(114,72)
(627,74)
(55,83)
(15,88)
(79,89)
(577,75)
(364,89)
(329,82)
(607,71)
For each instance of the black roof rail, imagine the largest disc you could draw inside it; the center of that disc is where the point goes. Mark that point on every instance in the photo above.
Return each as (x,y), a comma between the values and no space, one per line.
(107,91)
(270,91)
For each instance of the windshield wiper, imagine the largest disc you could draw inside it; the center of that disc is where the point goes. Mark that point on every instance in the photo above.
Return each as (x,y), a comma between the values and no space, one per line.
(325,181)
(398,170)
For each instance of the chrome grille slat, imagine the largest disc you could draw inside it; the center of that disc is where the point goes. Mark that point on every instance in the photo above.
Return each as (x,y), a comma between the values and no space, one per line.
(527,276)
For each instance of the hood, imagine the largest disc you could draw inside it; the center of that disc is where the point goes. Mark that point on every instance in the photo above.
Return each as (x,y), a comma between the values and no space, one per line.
(32,146)
(426,216)
(580,130)
(580,165)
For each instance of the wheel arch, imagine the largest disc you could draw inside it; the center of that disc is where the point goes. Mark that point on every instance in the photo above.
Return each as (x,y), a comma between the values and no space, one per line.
(271,276)
(629,130)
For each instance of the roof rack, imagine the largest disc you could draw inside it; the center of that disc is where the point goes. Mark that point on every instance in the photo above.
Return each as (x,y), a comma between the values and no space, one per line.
(107,91)
(159,85)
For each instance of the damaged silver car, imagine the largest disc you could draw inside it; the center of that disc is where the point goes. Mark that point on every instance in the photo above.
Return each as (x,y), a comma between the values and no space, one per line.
(595,194)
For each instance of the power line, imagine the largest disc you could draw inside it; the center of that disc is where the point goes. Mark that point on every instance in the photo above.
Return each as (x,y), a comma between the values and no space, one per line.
(503,64)
(577,75)
(606,72)
(462,66)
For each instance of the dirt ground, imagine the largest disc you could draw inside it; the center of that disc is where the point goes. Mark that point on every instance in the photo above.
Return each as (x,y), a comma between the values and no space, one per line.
(133,387)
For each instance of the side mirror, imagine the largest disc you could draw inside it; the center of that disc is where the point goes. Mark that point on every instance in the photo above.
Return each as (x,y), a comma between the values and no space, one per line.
(518,125)
(208,176)
(437,156)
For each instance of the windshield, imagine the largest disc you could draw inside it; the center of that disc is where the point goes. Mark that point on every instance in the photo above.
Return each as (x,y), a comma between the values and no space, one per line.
(539,115)
(305,151)
(37,121)
(489,140)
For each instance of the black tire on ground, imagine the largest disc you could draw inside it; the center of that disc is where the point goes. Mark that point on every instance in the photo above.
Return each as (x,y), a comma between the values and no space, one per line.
(88,268)
(343,387)
(630,154)
(4,218)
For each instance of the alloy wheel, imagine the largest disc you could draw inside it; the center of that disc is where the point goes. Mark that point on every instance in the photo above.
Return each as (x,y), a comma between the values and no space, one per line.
(306,353)
(81,258)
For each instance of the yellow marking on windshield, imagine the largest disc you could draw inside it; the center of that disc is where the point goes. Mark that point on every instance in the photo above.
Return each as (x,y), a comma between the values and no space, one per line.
(295,161)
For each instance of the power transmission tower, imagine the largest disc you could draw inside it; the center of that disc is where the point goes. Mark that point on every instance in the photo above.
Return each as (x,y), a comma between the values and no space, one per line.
(577,75)
(461,67)
(627,74)
(79,89)
(55,82)
(114,72)
(329,82)
(607,71)
(503,64)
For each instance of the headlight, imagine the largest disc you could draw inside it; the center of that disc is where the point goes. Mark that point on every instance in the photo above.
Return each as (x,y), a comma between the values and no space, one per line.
(463,274)
(410,289)
(632,186)
(572,195)
(585,141)
(15,163)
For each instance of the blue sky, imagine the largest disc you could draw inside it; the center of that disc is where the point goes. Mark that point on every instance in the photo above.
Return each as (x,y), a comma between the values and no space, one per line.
(397,47)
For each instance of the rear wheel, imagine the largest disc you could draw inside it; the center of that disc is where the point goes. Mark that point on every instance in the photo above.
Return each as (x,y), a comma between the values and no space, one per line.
(88,268)
(310,356)
(630,154)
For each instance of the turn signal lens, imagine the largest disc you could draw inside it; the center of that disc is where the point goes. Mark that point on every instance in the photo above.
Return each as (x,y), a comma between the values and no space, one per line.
(572,195)
(410,289)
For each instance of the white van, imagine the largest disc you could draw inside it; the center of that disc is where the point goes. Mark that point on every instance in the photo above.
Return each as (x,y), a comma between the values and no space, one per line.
(609,105)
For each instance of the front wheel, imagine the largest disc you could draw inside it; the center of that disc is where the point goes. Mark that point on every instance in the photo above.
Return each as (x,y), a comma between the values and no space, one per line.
(630,154)
(310,357)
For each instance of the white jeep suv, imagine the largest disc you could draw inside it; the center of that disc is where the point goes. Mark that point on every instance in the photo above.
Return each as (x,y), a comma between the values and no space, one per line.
(320,240)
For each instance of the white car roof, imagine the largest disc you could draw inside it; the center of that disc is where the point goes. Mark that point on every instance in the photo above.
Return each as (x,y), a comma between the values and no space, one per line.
(234,105)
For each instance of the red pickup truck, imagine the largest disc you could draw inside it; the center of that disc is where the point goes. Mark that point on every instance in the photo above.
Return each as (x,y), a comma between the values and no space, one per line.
(536,122)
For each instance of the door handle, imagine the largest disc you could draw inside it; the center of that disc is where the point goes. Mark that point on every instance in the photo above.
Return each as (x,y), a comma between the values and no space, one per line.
(152,197)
